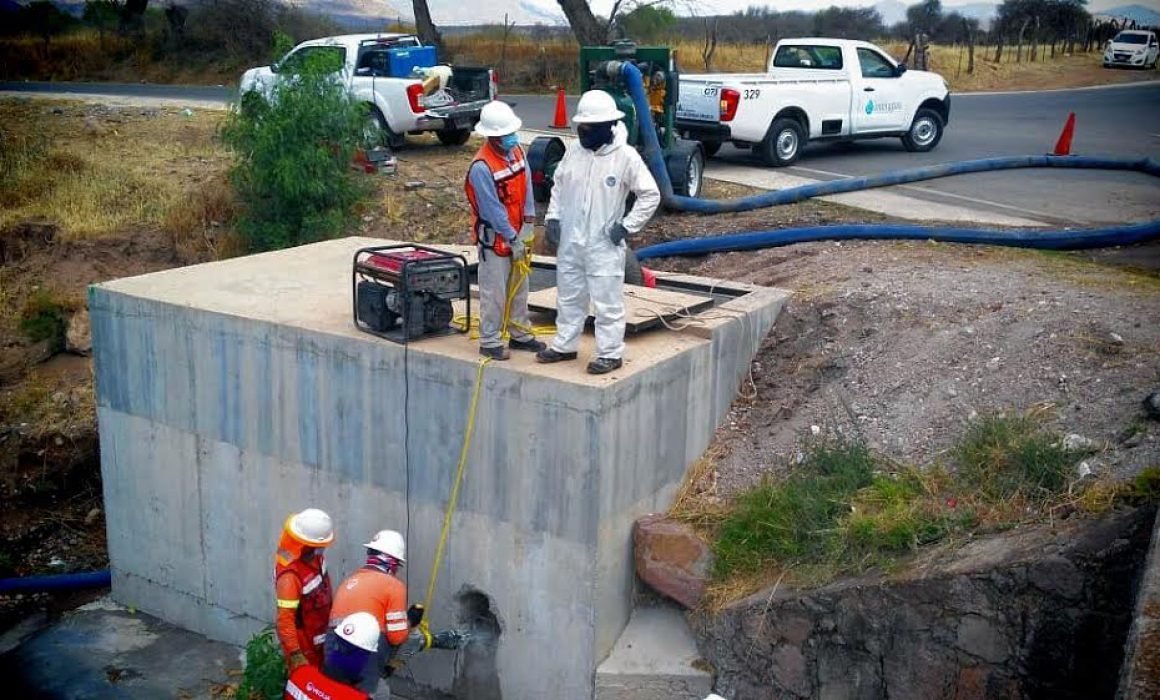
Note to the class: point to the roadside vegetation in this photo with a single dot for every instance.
(1032, 44)
(844, 509)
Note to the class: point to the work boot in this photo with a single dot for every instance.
(604, 365)
(531, 345)
(547, 356)
(497, 353)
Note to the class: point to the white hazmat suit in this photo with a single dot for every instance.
(588, 199)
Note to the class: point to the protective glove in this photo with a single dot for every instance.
(297, 659)
(552, 231)
(617, 233)
(519, 250)
(527, 232)
(415, 614)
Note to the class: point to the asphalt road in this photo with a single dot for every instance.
(1123, 121)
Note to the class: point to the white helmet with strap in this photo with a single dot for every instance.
(390, 543)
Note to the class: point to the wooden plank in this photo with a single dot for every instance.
(644, 307)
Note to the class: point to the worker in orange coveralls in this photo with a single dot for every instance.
(302, 587)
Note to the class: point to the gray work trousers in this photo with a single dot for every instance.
(494, 275)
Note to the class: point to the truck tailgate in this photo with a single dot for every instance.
(699, 99)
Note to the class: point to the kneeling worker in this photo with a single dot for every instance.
(587, 223)
(351, 652)
(499, 190)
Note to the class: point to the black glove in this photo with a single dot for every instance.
(617, 233)
(415, 614)
(552, 231)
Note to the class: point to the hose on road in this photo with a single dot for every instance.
(59, 582)
(1052, 240)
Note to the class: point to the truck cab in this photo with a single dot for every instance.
(815, 89)
(406, 89)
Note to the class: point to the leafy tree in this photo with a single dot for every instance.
(924, 17)
(648, 23)
(102, 14)
(45, 20)
(294, 151)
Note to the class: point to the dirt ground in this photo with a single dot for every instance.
(908, 338)
(903, 343)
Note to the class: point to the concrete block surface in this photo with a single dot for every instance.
(655, 658)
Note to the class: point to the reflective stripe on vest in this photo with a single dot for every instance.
(309, 586)
(511, 185)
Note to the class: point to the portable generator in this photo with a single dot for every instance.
(405, 292)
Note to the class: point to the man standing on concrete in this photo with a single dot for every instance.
(586, 222)
(499, 190)
(302, 587)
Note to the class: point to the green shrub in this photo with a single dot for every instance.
(294, 151)
(265, 675)
(796, 519)
(1007, 455)
(45, 318)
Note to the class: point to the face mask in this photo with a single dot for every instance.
(508, 143)
(593, 136)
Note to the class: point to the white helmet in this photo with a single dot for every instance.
(596, 107)
(311, 527)
(390, 543)
(497, 119)
(360, 629)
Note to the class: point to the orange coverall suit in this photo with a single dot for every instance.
(302, 590)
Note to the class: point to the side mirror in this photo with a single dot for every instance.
(899, 69)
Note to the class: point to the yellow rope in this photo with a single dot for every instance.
(521, 268)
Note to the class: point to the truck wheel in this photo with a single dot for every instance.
(783, 143)
(632, 271)
(544, 155)
(711, 148)
(453, 137)
(686, 165)
(925, 131)
(377, 133)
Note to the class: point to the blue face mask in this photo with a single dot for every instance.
(508, 143)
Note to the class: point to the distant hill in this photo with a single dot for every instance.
(1143, 16)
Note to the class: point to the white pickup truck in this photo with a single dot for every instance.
(815, 90)
(398, 77)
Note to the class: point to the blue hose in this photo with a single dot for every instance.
(1052, 240)
(61, 582)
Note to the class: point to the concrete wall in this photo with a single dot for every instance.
(221, 411)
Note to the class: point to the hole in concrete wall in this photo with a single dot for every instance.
(476, 673)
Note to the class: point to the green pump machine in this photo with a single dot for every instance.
(600, 70)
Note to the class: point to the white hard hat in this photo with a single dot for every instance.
(360, 629)
(497, 119)
(311, 527)
(596, 107)
(390, 543)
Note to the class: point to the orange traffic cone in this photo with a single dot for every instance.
(1063, 145)
(561, 119)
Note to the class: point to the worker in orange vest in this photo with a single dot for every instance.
(351, 655)
(499, 190)
(302, 587)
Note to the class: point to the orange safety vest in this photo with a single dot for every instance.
(511, 184)
(309, 683)
(312, 612)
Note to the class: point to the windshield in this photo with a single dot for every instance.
(1125, 38)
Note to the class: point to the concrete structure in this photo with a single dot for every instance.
(232, 393)
(655, 658)
(1140, 674)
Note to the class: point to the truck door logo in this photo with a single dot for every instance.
(870, 107)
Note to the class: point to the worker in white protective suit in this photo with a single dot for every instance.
(587, 223)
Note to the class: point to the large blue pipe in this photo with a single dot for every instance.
(1054, 240)
(59, 582)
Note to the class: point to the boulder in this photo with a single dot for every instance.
(78, 338)
(671, 558)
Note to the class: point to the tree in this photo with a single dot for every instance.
(45, 20)
(102, 14)
(428, 33)
(588, 30)
(133, 15)
(647, 23)
(924, 17)
(848, 23)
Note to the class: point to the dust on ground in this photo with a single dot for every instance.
(905, 342)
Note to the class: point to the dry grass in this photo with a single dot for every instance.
(101, 170)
